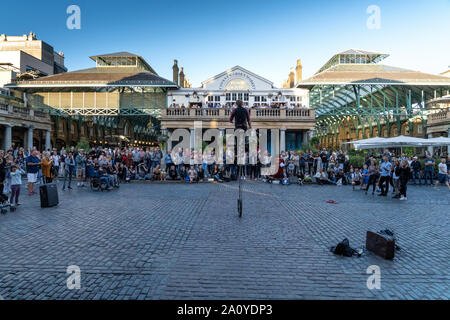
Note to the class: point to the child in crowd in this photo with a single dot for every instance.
(308, 178)
(192, 174)
(284, 177)
(300, 177)
(163, 175)
(356, 178)
(365, 176)
(16, 182)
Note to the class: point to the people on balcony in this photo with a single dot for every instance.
(232, 105)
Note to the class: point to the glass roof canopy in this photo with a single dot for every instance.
(354, 56)
(122, 59)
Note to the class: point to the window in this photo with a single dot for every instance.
(210, 98)
(263, 99)
(245, 96)
(257, 98)
(228, 96)
(217, 98)
(233, 95)
(239, 95)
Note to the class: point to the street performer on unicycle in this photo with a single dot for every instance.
(241, 117)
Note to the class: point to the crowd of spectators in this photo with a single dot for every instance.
(115, 165)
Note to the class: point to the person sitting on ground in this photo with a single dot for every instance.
(131, 173)
(142, 171)
(308, 178)
(356, 178)
(322, 177)
(201, 173)
(156, 173)
(284, 177)
(102, 175)
(183, 173)
(192, 174)
(226, 173)
(331, 176)
(216, 174)
(300, 177)
(122, 172)
(163, 175)
(112, 174)
(340, 178)
(173, 172)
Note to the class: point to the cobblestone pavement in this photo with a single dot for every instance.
(179, 241)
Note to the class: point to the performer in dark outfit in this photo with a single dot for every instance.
(241, 117)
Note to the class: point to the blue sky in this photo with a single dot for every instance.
(266, 37)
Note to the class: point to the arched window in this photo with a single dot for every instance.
(237, 84)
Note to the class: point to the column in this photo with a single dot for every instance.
(282, 139)
(8, 137)
(165, 149)
(30, 137)
(192, 139)
(430, 148)
(305, 137)
(448, 146)
(48, 142)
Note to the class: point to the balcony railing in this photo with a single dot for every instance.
(299, 114)
(439, 117)
(19, 112)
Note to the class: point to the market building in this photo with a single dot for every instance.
(113, 103)
(355, 97)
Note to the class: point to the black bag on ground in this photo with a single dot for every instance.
(343, 249)
(49, 195)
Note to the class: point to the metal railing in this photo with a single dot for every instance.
(298, 114)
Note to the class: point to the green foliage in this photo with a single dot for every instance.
(83, 145)
(315, 141)
(357, 161)
(204, 145)
(354, 152)
(306, 146)
(409, 151)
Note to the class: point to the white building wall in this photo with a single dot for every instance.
(21, 60)
(257, 86)
(6, 77)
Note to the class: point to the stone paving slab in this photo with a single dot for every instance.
(181, 241)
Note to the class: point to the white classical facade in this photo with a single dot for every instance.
(234, 84)
(283, 109)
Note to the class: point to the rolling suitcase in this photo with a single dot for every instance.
(49, 195)
(381, 244)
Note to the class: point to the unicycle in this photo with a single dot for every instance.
(239, 201)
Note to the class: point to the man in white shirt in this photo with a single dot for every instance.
(442, 174)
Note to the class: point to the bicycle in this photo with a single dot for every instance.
(239, 201)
